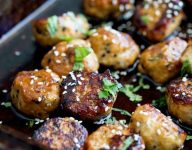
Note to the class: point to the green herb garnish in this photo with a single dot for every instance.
(65, 38)
(189, 137)
(80, 54)
(89, 32)
(145, 19)
(127, 143)
(52, 25)
(109, 88)
(129, 91)
(6, 104)
(30, 123)
(121, 111)
(160, 103)
(186, 68)
(112, 120)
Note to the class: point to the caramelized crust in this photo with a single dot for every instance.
(62, 134)
(36, 93)
(103, 9)
(68, 26)
(61, 58)
(114, 48)
(113, 137)
(158, 19)
(162, 61)
(80, 95)
(157, 131)
(179, 99)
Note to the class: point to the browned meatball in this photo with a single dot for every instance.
(52, 30)
(157, 130)
(162, 61)
(61, 59)
(104, 9)
(80, 95)
(36, 93)
(179, 99)
(113, 137)
(157, 19)
(114, 48)
(62, 134)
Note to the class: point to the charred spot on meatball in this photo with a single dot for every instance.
(62, 134)
(83, 94)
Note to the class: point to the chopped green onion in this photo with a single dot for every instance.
(121, 111)
(127, 143)
(52, 25)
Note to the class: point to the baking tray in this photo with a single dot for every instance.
(18, 52)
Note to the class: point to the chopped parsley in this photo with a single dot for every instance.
(6, 104)
(80, 54)
(109, 88)
(65, 38)
(186, 68)
(189, 137)
(160, 103)
(127, 143)
(52, 25)
(145, 19)
(121, 111)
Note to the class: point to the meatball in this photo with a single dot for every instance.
(103, 9)
(62, 134)
(62, 58)
(157, 130)
(157, 19)
(81, 94)
(179, 99)
(36, 93)
(162, 61)
(114, 137)
(114, 48)
(52, 30)
(187, 58)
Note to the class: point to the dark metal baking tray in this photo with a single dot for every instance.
(18, 51)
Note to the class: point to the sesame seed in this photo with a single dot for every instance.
(138, 124)
(17, 53)
(158, 131)
(75, 140)
(32, 82)
(184, 79)
(73, 90)
(58, 61)
(4, 91)
(56, 53)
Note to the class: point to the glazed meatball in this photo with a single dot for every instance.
(80, 95)
(113, 137)
(179, 99)
(187, 58)
(52, 30)
(157, 130)
(162, 61)
(114, 48)
(103, 9)
(157, 19)
(62, 58)
(62, 134)
(36, 93)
